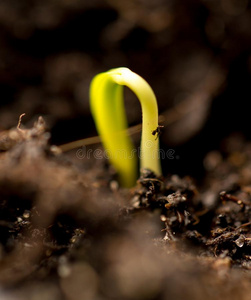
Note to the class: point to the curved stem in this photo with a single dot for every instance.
(106, 99)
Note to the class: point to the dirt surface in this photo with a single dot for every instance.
(66, 236)
(67, 230)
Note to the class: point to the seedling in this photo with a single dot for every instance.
(107, 107)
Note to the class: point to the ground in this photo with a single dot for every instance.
(67, 230)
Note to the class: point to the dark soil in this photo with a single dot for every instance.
(67, 230)
(67, 236)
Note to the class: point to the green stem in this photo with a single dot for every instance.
(106, 99)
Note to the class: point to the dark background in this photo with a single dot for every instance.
(191, 52)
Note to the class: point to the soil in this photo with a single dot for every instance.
(67, 230)
(67, 236)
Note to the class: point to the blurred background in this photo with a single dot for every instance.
(196, 55)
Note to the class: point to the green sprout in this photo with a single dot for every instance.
(107, 107)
